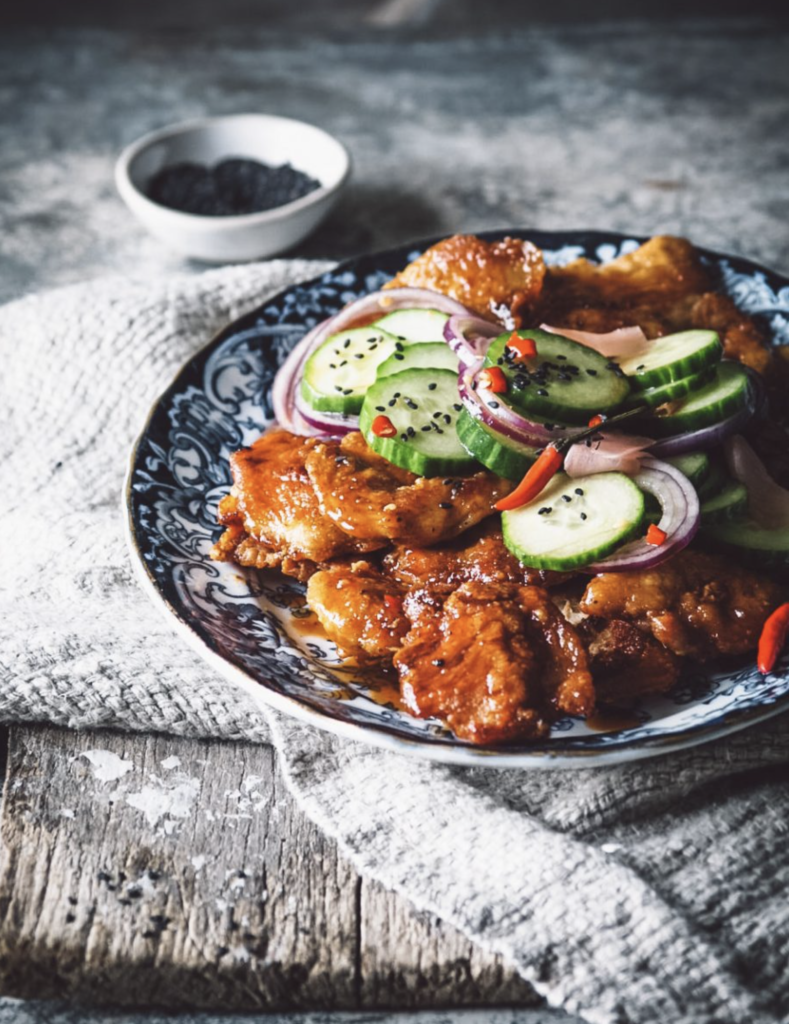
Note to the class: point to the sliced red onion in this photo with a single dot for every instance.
(368, 307)
(502, 417)
(469, 337)
(768, 502)
(624, 341)
(612, 453)
(333, 424)
(679, 521)
(708, 437)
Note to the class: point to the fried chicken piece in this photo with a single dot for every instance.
(626, 662)
(478, 555)
(742, 339)
(272, 514)
(498, 280)
(662, 287)
(694, 604)
(361, 610)
(497, 662)
(372, 500)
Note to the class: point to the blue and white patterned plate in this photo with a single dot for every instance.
(254, 627)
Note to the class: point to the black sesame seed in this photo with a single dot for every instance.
(427, 426)
(641, 367)
(436, 415)
(332, 366)
(447, 418)
(438, 662)
(411, 403)
(432, 387)
(566, 497)
(398, 355)
(337, 387)
(493, 405)
(592, 373)
(542, 391)
(457, 407)
(445, 504)
(359, 355)
(347, 391)
(447, 482)
(579, 490)
(549, 426)
(404, 437)
(344, 362)
(391, 402)
(401, 337)
(411, 432)
(398, 347)
(396, 394)
(561, 357)
(373, 340)
(583, 515)
(380, 408)
(545, 510)
(346, 343)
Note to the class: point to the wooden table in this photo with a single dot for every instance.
(145, 870)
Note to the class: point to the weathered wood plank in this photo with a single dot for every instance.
(179, 874)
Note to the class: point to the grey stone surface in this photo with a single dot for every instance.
(632, 127)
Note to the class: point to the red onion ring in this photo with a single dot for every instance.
(679, 521)
(504, 419)
(288, 378)
(469, 337)
(332, 424)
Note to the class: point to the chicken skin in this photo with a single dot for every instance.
(375, 502)
(272, 514)
(498, 280)
(361, 610)
(478, 555)
(697, 605)
(497, 662)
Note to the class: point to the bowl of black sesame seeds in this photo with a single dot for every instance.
(235, 188)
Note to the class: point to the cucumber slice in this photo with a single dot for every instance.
(670, 392)
(750, 543)
(423, 405)
(575, 521)
(339, 372)
(414, 324)
(696, 466)
(729, 504)
(432, 355)
(565, 382)
(672, 358)
(713, 481)
(501, 455)
(726, 394)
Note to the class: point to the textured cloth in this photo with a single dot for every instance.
(651, 892)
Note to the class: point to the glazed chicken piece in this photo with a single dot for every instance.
(272, 514)
(478, 555)
(662, 287)
(376, 502)
(360, 609)
(498, 280)
(496, 662)
(695, 604)
(626, 662)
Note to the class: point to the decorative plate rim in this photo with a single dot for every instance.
(546, 755)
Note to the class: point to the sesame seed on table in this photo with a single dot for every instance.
(225, 897)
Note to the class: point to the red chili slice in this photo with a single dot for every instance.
(383, 427)
(772, 639)
(524, 348)
(536, 480)
(492, 378)
(655, 535)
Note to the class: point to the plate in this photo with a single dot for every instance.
(254, 627)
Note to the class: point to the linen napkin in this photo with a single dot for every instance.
(648, 892)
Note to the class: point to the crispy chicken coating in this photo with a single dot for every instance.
(479, 554)
(272, 514)
(626, 662)
(497, 662)
(498, 280)
(361, 610)
(370, 499)
(695, 604)
(662, 287)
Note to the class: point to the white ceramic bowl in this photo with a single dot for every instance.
(272, 140)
